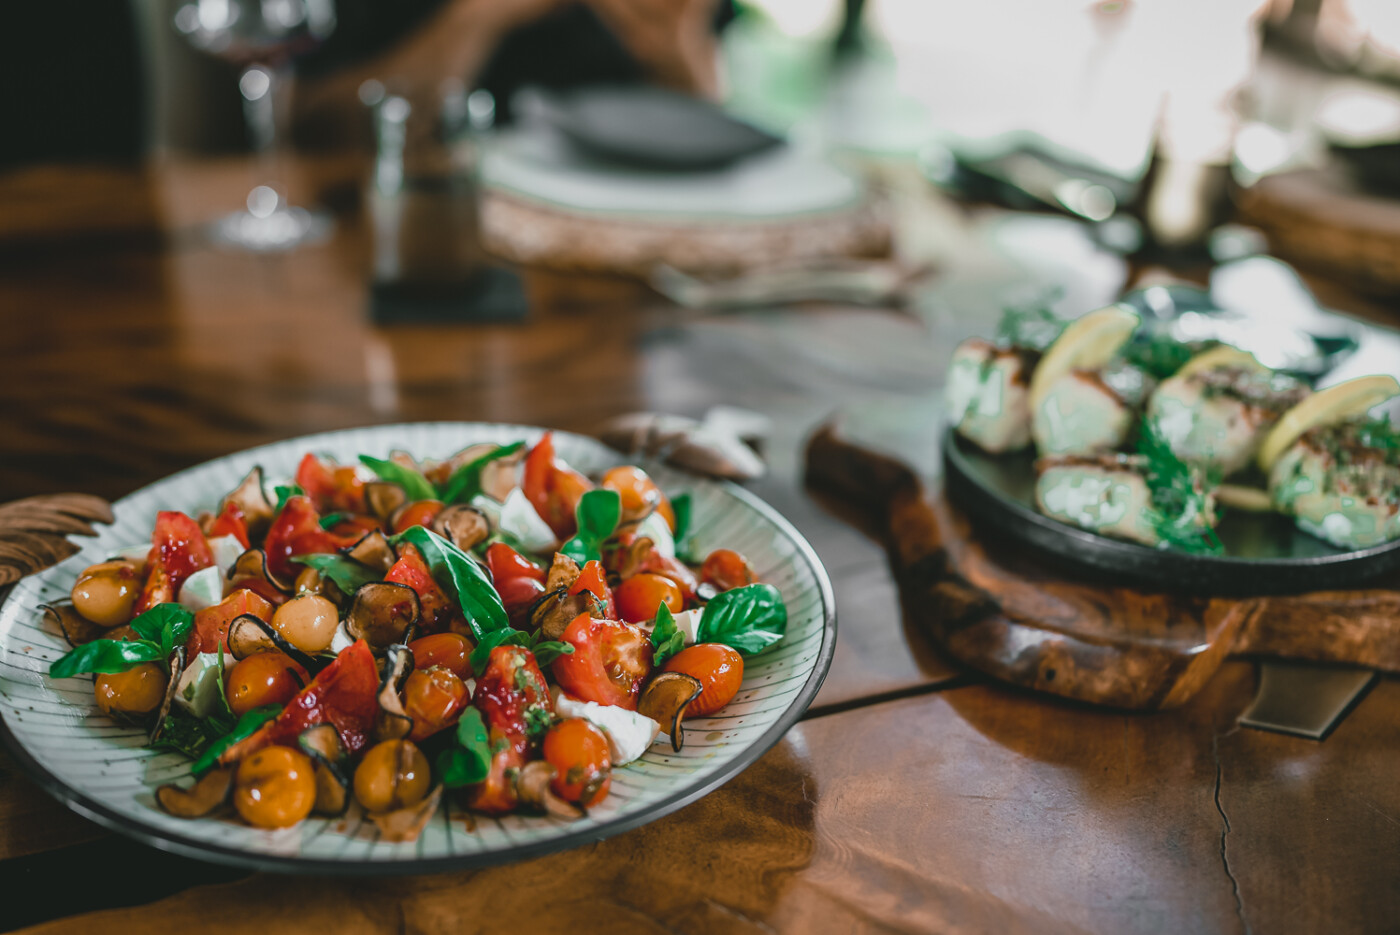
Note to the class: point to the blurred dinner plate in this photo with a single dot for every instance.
(104, 772)
(1265, 553)
(651, 127)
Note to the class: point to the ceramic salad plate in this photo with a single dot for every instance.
(105, 772)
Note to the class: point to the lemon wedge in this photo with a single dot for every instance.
(1219, 357)
(1339, 403)
(1088, 343)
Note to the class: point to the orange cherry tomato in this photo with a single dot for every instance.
(263, 678)
(639, 494)
(720, 670)
(418, 513)
(578, 751)
(640, 596)
(451, 651)
(727, 570)
(434, 698)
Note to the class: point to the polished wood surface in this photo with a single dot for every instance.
(914, 797)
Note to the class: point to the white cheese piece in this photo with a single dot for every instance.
(131, 553)
(342, 639)
(204, 588)
(655, 528)
(226, 550)
(517, 516)
(688, 623)
(629, 733)
(198, 690)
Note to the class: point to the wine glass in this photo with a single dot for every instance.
(262, 36)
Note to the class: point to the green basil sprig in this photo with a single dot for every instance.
(160, 629)
(681, 506)
(468, 761)
(544, 651)
(750, 618)
(247, 725)
(410, 479)
(187, 734)
(666, 638)
(598, 514)
(465, 482)
(462, 578)
(284, 493)
(348, 574)
(331, 520)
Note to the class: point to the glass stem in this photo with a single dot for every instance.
(262, 87)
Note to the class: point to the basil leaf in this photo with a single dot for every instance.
(330, 520)
(507, 636)
(247, 725)
(666, 639)
(164, 624)
(461, 577)
(680, 507)
(412, 481)
(550, 650)
(106, 656)
(465, 482)
(468, 761)
(598, 513)
(187, 734)
(750, 618)
(284, 493)
(348, 574)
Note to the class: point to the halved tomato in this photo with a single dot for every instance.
(553, 488)
(178, 550)
(610, 661)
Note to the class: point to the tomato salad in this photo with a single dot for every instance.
(496, 626)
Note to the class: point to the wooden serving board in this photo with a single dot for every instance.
(997, 607)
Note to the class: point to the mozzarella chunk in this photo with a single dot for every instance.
(204, 588)
(226, 550)
(629, 733)
(688, 623)
(342, 640)
(654, 527)
(517, 516)
(198, 690)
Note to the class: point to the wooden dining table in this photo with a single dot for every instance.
(913, 796)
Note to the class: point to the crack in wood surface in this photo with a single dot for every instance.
(1225, 830)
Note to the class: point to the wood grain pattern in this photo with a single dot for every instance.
(34, 531)
(995, 606)
(973, 810)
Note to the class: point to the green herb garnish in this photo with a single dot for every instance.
(666, 639)
(159, 629)
(468, 760)
(1032, 326)
(284, 493)
(247, 725)
(410, 479)
(462, 578)
(1161, 355)
(544, 651)
(1180, 495)
(348, 574)
(750, 618)
(465, 482)
(598, 513)
(331, 520)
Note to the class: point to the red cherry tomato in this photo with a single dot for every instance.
(438, 610)
(334, 489)
(178, 550)
(261, 679)
(418, 513)
(640, 596)
(210, 630)
(230, 522)
(297, 531)
(434, 698)
(578, 751)
(553, 488)
(610, 661)
(720, 670)
(727, 570)
(451, 651)
(517, 594)
(504, 563)
(594, 580)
